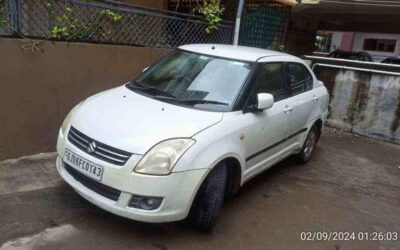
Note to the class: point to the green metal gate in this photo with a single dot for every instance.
(264, 24)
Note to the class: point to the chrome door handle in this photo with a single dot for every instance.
(315, 99)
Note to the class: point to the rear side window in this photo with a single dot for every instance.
(300, 79)
(270, 78)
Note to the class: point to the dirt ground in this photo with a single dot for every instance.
(351, 185)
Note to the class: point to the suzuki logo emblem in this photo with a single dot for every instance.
(91, 147)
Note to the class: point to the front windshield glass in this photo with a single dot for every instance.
(194, 79)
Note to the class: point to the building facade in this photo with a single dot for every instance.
(378, 45)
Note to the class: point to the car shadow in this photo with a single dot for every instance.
(99, 219)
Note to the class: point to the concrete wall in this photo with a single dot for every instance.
(38, 89)
(363, 103)
(300, 42)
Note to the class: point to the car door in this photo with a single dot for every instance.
(303, 102)
(265, 130)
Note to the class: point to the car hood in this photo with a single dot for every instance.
(132, 122)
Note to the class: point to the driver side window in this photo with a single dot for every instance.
(270, 78)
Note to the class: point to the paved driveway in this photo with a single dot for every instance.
(351, 185)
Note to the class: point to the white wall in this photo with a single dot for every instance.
(378, 56)
(336, 41)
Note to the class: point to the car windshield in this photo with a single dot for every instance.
(194, 79)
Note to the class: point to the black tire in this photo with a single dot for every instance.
(309, 145)
(209, 199)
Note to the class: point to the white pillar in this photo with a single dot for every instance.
(237, 23)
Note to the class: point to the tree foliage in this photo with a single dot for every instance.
(212, 11)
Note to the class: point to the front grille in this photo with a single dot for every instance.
(106, 191)
(98, 149)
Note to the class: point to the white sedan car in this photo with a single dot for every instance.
(191, 130)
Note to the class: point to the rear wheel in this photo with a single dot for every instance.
(309, 145)
(209, 198)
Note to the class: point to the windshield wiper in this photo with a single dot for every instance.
(199, 101)
(153, 90)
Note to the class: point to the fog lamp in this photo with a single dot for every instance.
(145, 202)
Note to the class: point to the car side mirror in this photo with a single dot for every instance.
(143, 70)
(264, 101)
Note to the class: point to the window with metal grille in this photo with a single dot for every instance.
(383, 45)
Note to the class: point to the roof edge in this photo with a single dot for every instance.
(290, 3)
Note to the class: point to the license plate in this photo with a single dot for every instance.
(84, 166)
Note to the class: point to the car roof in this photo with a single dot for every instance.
(233, 51)
(392, 59)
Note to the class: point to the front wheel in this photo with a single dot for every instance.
(309, 145)
(209, 198)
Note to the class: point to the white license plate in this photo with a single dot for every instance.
(84, 166)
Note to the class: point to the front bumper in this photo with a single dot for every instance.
(177, 189)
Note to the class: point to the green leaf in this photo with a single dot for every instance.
(212, 10)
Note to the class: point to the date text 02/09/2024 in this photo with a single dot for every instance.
(348, 236)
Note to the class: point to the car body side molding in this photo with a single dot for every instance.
(275, 144)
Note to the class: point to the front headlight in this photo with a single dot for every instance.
(161, 159)
(68, 118)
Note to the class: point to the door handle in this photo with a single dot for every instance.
(315, 99)
(287, 110)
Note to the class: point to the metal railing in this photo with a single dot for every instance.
(352, 63)
(106, 21)
(355, 69)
